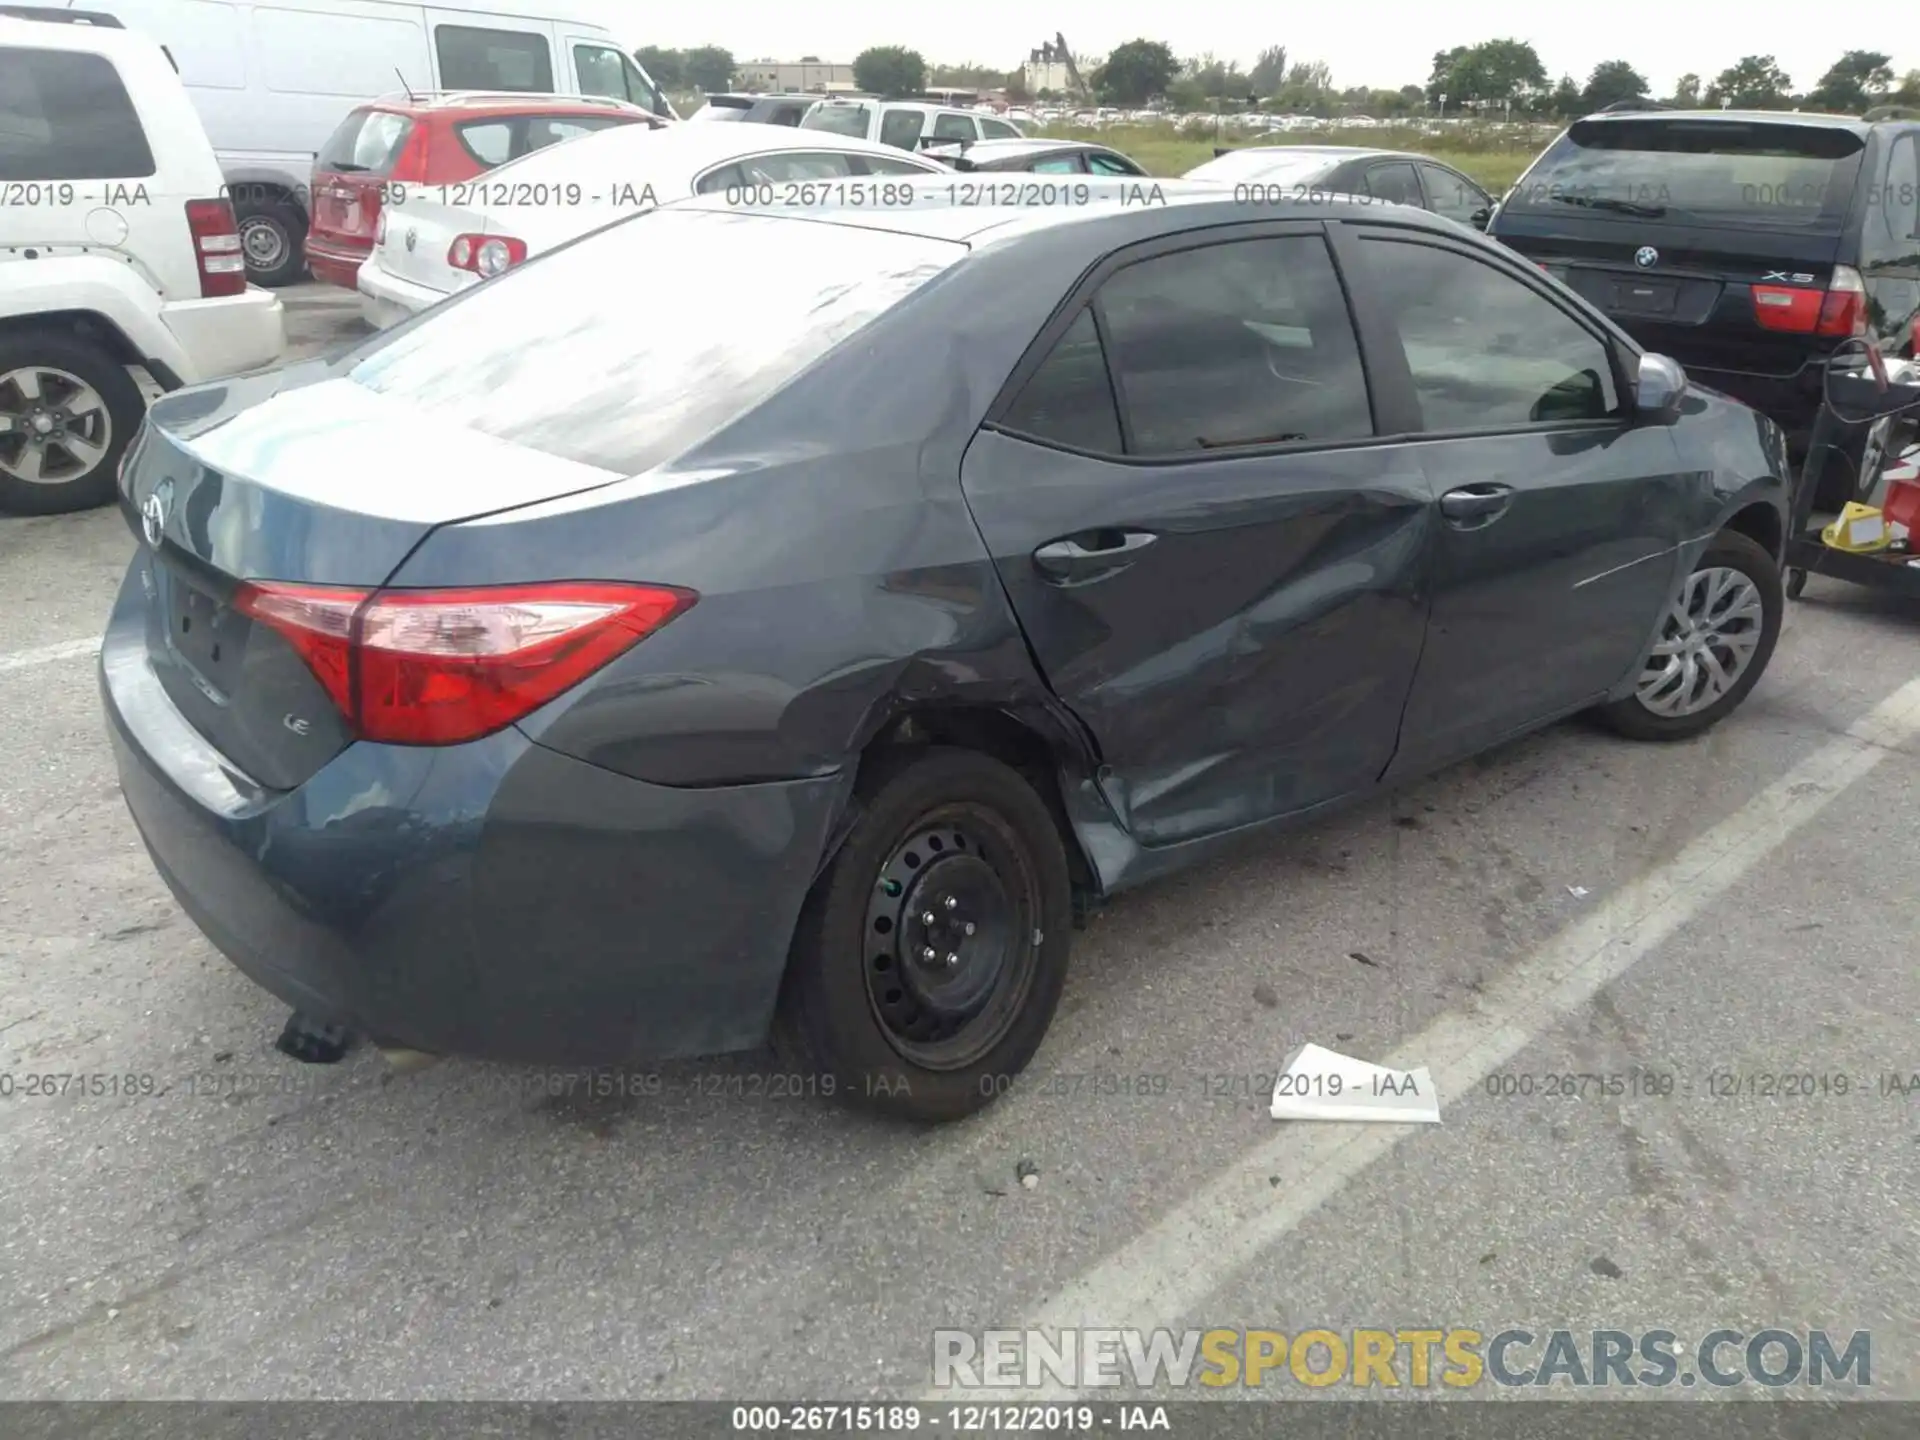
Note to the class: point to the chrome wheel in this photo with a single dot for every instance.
(1707, 641)
(54, 426)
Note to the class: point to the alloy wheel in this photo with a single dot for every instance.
(54, 426)
(1707, 640)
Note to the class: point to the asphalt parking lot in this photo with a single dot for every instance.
(1744, 906)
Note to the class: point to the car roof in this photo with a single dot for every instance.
(512, 102)
(943, 211)
(1026, 145)
(612, 153)
(1815, 119)
(88, 39)
(1330, 151)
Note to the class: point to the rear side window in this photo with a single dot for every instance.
(1728, 171)
(886, 165)
(779, 168)
(66, 116)
(495, 142)
(1069, 399)
(476, 59)
(839, 120)
(1057, 165)
(669, 363)
(1394, 183)
(901, 129)
(1112, 165)
(1242, 343)
(1897, 211)
(367, 140)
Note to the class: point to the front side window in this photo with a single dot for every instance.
(1487, 351)
(1394, 183)
(998, 129)
(1239, 343)
(954, 127)
(901, 129)
(1452, 195)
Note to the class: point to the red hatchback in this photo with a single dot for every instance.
(438, 139)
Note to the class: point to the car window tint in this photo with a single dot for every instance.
(1394, 183)
(954, 127)
(998, 129)
(1245, 342)
(600, 71)
(1486, 351)
(900, 128)
(1451, 195)
(1058, 165)
(66, 116)
(1900, 196)
(476, 59)
(1110, 165)
(1069, 399)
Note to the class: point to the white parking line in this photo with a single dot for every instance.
(48, 654)
(1167, 1271)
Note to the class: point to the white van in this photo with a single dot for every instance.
(272, 79)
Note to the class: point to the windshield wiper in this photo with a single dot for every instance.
(1601, 202)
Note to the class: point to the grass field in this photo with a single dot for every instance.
(1165, 151)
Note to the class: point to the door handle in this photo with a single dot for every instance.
(1472, 505)
(1090, 553)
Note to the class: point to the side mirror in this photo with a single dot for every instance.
(1659, 387)
(1481, 218)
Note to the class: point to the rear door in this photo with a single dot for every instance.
(1708, 240)
(1213, 557)
(350, 174)
(1561, 518)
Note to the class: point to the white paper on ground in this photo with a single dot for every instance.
(1321, 1084)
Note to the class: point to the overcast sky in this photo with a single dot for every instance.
(1365, 42)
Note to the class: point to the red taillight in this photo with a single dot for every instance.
(440, 667)
(216, 248)
(410, 165)
(486, 255)
(1839, 310)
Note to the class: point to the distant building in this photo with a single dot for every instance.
(1048, 68)
(799, 76)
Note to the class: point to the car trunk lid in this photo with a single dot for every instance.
(371, 150)
(309, 478)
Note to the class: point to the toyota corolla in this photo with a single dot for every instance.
(767, 622)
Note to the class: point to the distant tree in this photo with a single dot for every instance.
(1612, 80)
(1015, 84)
(965, 77)
(890, 70)
(1686, 94)
(1135, 72)
(1269, 71)
(705, 67)
(663, 65)
(1909, 91)
(1756, 83)
(1857, 81)
(1412, 97)
(1492, 72)
(1566, 102)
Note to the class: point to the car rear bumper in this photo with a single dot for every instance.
(386, 299)
(497, 900)
(226, 335)
(333, 263)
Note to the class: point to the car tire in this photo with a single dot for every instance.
(934, 825)
(273, 240)
(1639, 718)
(60, 362)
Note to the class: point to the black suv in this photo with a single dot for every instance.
(1745, 245)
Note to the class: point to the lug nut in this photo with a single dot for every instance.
(950, 902)
(929, 955)
(967, 928)
(952, 959)
(927, 918)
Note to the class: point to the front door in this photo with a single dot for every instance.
(1561, 517)
(1215, 561)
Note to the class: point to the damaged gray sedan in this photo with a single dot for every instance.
(782, 622)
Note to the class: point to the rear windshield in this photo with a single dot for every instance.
(368, 141)
(1764, 173)
(1238, 165)
(603, 352)
(839, 120)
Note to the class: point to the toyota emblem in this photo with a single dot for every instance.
(1646, 257)
(153, 514)
(413, 239)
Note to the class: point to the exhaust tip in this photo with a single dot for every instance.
(313, 1042)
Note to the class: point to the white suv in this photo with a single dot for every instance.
(904, 124)
(118, 252)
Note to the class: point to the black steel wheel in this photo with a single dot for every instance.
(930, 957)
